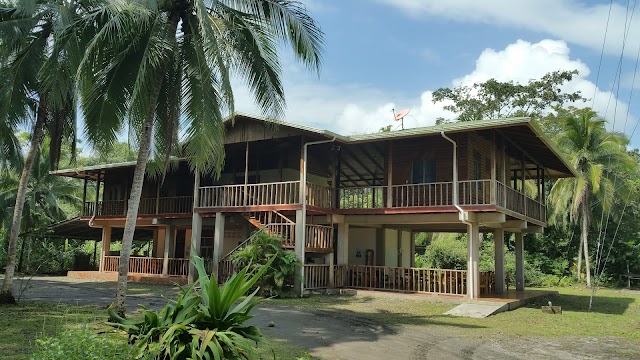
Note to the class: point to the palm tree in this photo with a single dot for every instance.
(38, 55)
(153, 66)
(46, 198)
(601, 161)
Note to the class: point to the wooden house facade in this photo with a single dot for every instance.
(348, 206)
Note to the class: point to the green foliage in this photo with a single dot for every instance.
(200, 324)
(81, 344)
(493, 99)
(264, 249)
(446, 252)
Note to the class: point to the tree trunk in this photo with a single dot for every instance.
(132, 212)
(579, 272)
(6, 295)
(585, 237)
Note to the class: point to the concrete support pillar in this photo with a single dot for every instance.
(498, 236)
(106, 244)
(218, 243)
(473, 260)
(343, 244)
(519, 262)
(168, 237)
(329, 261)
(299, 250)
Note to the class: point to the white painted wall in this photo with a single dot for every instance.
(360, 239)
(390, 247)
(405, 245)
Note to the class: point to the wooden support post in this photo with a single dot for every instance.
(95, 207)
(246, 174)
(196, 226)
(492, 186)
(168, 236)
(389, 164)
(343, 244)
(106, 244)
(338, 178)
(498, 236)
(158, 197)
(329, 261)
(218, 243)
(473, 260)
(519, 261)
(84, 199)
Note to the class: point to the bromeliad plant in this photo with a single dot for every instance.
(203, 323)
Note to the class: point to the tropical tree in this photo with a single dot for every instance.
(153, 66)
(38, 56)
(495, 99)
(603, 168)
(47, 200)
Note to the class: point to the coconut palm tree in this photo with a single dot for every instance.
(46, 198)
(38, 56)
(154, 66)
(601, 160)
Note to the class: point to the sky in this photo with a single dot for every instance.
(382, 55)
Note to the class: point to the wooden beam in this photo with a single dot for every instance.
(355, 158)
(370, 183)
(389, 172)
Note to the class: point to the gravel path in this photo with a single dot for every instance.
(331, 335)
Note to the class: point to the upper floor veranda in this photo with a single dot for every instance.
(483, 166)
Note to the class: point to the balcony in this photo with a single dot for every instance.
(175, 205)
(436, 196)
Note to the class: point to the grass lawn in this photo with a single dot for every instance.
(21, 325)
(614, 313)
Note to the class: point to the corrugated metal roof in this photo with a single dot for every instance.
(399, 134)
(436, 129)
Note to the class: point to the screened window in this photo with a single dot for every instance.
(424, 171)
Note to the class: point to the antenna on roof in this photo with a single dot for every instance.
(400, 116)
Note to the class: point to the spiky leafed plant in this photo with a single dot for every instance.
(600, 159)
(204, 323)
(156, 66)
(38, 57)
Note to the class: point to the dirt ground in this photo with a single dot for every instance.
(335, 335)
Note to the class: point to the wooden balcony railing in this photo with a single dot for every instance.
(438, 194)
(148, 206)
(318, 237)
(435, 281)
(149, 266)
(316, 276)
(419, 195)
(277, 193)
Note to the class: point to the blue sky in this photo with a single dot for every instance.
(384, 54)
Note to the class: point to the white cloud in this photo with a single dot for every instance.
(351, 109)
(571, 20)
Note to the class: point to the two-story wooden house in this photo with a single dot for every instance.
(347, 205)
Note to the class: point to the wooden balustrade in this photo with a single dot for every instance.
(440, 281)
(372, 197)
(319, 237)
(420, 195)
(286, 231)
(319, 196)
(474, 192)
(276, 193)
(316, 276)
(149, 266)
(148, 206)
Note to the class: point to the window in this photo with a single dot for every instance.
(424, 171)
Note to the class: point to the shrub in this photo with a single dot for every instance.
(265, 248)
(81, 344)
(446, 253)
(201, 324)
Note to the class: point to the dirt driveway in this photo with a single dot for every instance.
(335, 335)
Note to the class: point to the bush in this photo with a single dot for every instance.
(201, 324)
(278, 277)
(446, 252)
(81, 344)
